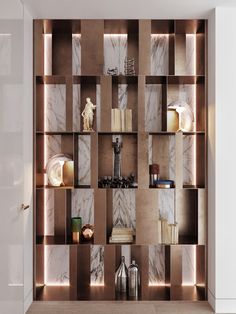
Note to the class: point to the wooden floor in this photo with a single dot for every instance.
(79, 307)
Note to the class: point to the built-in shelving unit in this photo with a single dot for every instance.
(71, 58)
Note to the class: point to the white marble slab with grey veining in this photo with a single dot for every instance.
(5, 54)
(156, 264)
(122, 95)
(84, 159)
(172, 157)
(159, 54)
(83, 205)
(97, 265)
(124, 208)
(76, 107)
(98, 106)
(115, 52)
(76, 54)
(49, 212)
(166, 204)
(189, 160)
(153, 108)
(55, 97)
(190, 54)
(47, 54)
(126, 252)
(188, 264)
(57, 264)
(52, 145)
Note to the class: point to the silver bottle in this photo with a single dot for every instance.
(121, 279)
(134, 280)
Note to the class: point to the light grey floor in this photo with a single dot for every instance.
(77, 307)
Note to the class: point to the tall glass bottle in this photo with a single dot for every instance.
(121, 279)
(134, 280)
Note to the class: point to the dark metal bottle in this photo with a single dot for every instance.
(134, 280)
(121, 279)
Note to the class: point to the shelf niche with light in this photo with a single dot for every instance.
(71, 62)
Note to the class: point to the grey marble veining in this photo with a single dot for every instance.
(150, 149)
(188, 160)
(124, 208)
(76, 54)
(47, 54)
(122, 95)
(188, 264)
(84, 159)
(55, 97)
(186, 93)
(159, 54)
(97, 265)
(115, 51)
(172, 157)
(190, 54)
(76, 107)
(49, 211)
(57, 265)
(156, 264)
(153, 110)
(83, 205)
(52, 145)
(5, 54)
(166, 204)
(98, 108)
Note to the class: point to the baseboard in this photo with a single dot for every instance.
(221, 305)
(28, 300)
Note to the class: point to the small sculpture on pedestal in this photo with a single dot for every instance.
(87, 115)
(117, 162)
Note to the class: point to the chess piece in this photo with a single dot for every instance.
(87, 115)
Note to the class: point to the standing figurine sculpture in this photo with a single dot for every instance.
(87, 115)
(117, 160)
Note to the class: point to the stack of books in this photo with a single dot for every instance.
(168, 233)
(121, 120)
(121, 235)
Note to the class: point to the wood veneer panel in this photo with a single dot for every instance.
(83, 271)
(39, 265)
(200, 160)
(129, 155)
(143, 171)
(164, 107)
(39, 160)
(202, 216)
(171, 54)
(39, 107)
(176, 265)
(109, 212)
(187, 215)
(147, 217)
(62, 54)
(38, 48)
(68, 215)
(105, 153)
(76, 160)
(109, 274)
(132, 52)
(180, 54)
(69, 104)
(88, 90)
(200, 265)
(92, 47)
(40, 212)
(167, 264)
(67, 145)
(132, 103)
(141, 103)
(100, 206)
(200, 54)
(60, 213)
(144, 47)
(94, 160)
(106, 102)
(73, 272)
(200, 108)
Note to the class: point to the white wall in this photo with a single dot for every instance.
(222, 149)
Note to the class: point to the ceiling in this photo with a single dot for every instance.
(127, 9)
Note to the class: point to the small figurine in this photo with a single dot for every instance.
(87, 115)
(117, 161)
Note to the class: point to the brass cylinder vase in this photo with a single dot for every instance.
(76, 226)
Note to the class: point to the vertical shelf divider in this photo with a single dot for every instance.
(144, 47)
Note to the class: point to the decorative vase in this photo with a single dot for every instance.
(76, 225)
(121, 279)
(134, 280)
(88, 232)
